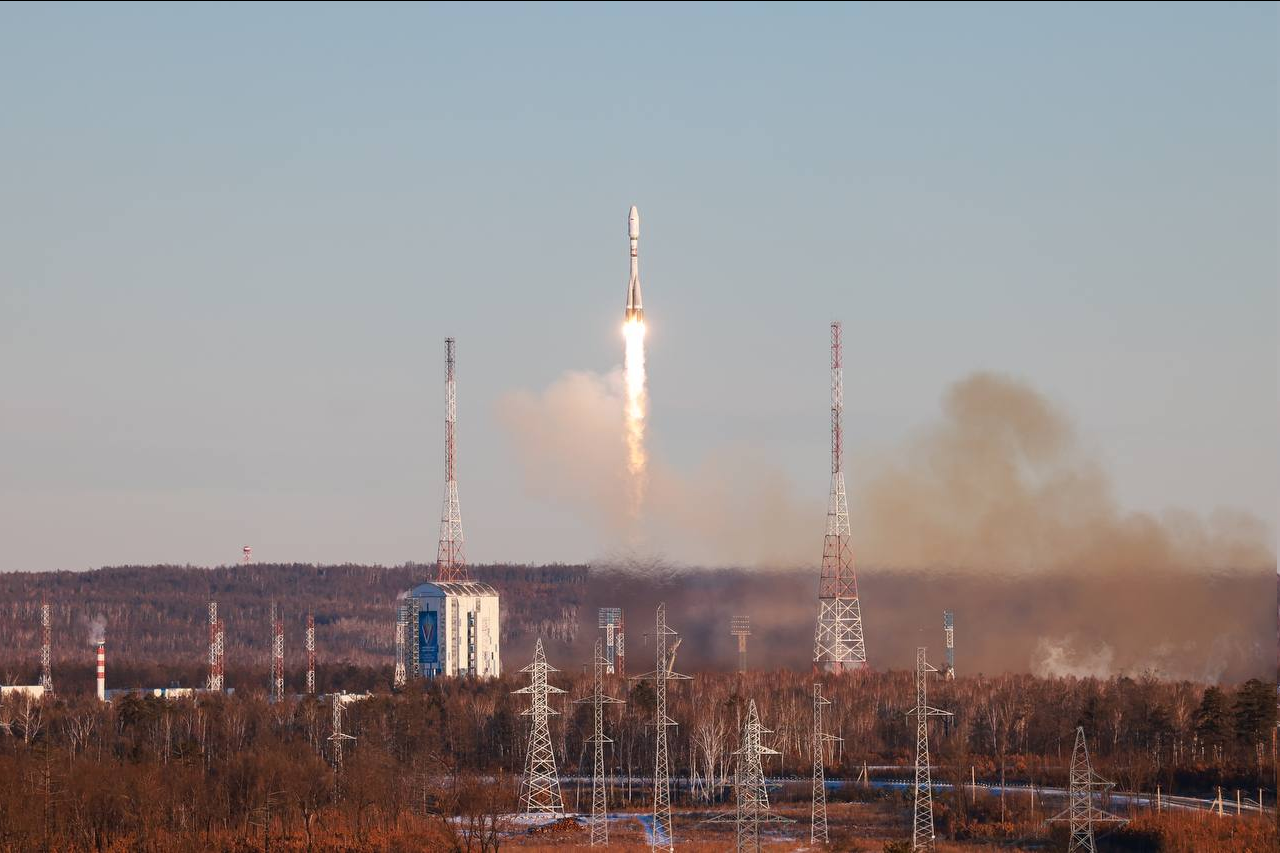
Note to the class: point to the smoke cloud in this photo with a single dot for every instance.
(994, 511)
(97, 627)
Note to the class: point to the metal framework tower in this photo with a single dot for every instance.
(246, 555)
(818, 815)
(599, 795)
(740, 627)
(336, 740)
(922, 822)
(215, 648)
(46, 648)
(749, 790)
(277, 654)
(949, 631)
(662, 838)
(540, 789)
(1080, 813)
(450, 563)
(838, 643)
(311, 653)
(614, 627)
(400, 677)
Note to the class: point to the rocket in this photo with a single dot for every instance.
(635, 307)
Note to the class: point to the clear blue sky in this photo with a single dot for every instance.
(233, 237)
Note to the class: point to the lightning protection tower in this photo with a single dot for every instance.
(215, 649)
(46, 648)
(599, 795)
(311, 653)
(749, 790)
(922, 821)
(450, 563)
(277, 654)
(540, 790)
(949, 632)
(740, 627)
(838, 643)
(661, 837)
(1080, 813)
(818, 815)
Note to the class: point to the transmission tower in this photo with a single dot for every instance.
(450, 563)
(922, 823)
(336, 740)
(740, 627)
(818, 816)
(398, 680)
(1080, 813)
(661, 838)
(540, 790)
(46, 648)
(215, 648)
(599, 796)
(311, 653)
(949, 632)
(838, 643)
(277, 654)
(750, 792)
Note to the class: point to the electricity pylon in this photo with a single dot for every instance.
(1080, 813)
(818, 815)
(540, 790)
(599, 796)
(661, 837)
(750, 792)
(922, 820)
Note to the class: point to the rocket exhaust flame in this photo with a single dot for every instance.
(633, 369)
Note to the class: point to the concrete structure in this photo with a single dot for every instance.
(455, 629)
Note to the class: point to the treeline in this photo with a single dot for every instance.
(215, 772)
(156, 617)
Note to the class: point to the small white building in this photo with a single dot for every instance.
(451, 628)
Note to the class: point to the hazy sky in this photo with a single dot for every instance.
(232, 239)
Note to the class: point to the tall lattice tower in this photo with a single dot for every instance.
(949, 634)
(400, 676)
(216, 642)
(451, 565)
(540, 789)
(661, 837)
(335, 740)
(614, 627)
(311, 653)
(46, 648)
(838, 644)
(922, 821)
(1080, 813)
(277, 654)
(749, 788)
(818, 814)
(740, 627)
(599, 795)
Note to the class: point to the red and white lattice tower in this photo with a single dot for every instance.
(450, 563)
(246, 555)
(46, 648)
(277, 654)
(311, 653)
(215, 648)
(838, 643)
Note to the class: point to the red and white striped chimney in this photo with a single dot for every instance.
(102, 671)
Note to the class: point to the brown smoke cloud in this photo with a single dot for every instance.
(994, 511)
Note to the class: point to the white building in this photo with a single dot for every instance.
(451, 628)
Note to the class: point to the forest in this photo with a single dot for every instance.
(430, 767)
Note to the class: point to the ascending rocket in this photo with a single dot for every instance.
(635, 307)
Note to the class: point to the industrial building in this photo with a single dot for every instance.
(455, 629)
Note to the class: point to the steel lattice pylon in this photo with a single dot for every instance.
(599, 795)
(818, 814)
(398, 680)
(215, 648)
(1080, 813)
(838, 642)
(540, 789)
(311, 653)
(46, 648)
(277, 654)
(661, 837)
(336, 739)
(750, 793)
(450, 563)
(922, 820)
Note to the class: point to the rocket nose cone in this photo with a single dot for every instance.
(633, 223)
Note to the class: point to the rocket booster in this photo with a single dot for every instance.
(635, 307)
